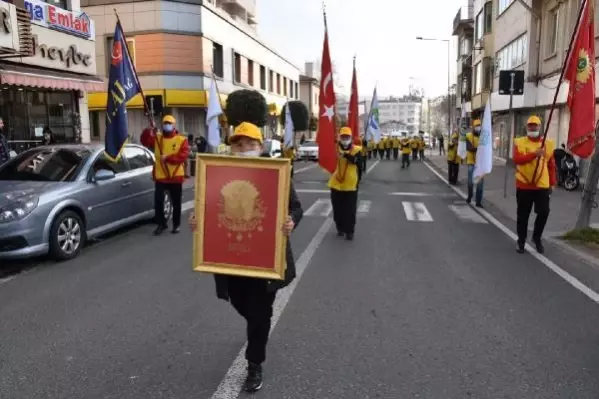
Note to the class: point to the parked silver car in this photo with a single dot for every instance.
(54, 198)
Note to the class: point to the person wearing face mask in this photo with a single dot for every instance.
(535, 179)
(344, 184)
(170, 152)
(472, 140)
(253, 298)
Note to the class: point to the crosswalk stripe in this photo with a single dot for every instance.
(465, 212)
(364, 207)
(416, 211)
(322, 207)
(409, 194)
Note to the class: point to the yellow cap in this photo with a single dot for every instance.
(246, 129)
(345, 131)
(476, 122)
(533, 120)
(169, 119)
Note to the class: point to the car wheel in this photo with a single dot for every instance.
(168, 207)
(67, 236)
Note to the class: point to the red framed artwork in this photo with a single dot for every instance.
(240, 207)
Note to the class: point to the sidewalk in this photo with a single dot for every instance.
(564, 204)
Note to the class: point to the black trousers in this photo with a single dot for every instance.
(405, 160)
(395, 153)
(176, 194)
(369, 154)
(414, 154)
(381, 153)
(421, 154)
(253, 302)
(525, 200)
(345, 204)
(453, 169)
(388, 153)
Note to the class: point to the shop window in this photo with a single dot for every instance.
(218, 60)
(60, 112)
(262, 77)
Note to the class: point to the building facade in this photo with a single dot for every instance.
(463, 29)
(177, 47)
(483, 54)
(407, 114)
(52, 67)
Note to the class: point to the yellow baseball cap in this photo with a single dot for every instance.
(246, 129)
(476, 122)
(169, 119)
(533, 120)
(345, 131)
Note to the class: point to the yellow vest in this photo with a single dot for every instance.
(471, 156)
(371, 144)
(405, 146)
(415, 144)
(382, 144)
(167, 146)
(452, 153)
(526, 172)
(289, 153)
(395, 142)
(345, 177)
(421, 145)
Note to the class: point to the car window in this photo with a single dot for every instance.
(104, 163)
(46, 164)
(137, 157)
(309, 144)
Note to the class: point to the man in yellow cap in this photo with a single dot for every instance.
(253, 298)
(170, 152)
(472, 140)
(344, 184)
(535, 179)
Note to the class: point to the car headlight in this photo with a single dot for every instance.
(19, 209)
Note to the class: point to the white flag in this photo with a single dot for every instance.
(288, 138)
(484, 153)
(373, 130)
(463, 129)
(213, 112)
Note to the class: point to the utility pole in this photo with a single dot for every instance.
(587, 202)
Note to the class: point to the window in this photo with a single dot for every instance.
(488, 12)
(278, 83)
(552, 32)
(296, 90)
(103, 163)
(271, 81)
(251, 73)
(262, 77)
(513, 55)
(487, 73)
(58, 3)
(502, 5)
(478, 78)
(217, 60)
(45, 164)
(285, 86)
(137, 157)
(236, 67)
(479, 26)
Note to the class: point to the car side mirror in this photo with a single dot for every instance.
(103, 175)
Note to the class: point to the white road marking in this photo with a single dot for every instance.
(371, 167)
(7, 279)
(322, 207)
(364, 206)
(305, 168)
(230, 386)
(416, 211)
(573, 281)
(187, 206)
(465, 212)
(407, 194)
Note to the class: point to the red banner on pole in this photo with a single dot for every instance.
(327, 154)
(353, 117)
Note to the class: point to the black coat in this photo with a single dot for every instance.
(296, 212)
(4, 149)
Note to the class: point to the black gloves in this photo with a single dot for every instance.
(350, 158)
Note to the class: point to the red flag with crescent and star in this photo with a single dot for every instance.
(580, 72)
(327, 153)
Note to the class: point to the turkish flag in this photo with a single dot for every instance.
(580, 72)
(353, 116)
(327, 153)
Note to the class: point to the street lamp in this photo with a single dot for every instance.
(448, 79)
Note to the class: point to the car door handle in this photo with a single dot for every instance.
(126, 184)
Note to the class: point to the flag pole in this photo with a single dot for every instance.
(560, 81)
(145, 101)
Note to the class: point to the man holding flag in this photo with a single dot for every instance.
(484, 153)
(213, 112)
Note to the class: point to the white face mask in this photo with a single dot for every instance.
(477, 130)
(167, 127)
(533, 133)
(252, 153)
(345, 142)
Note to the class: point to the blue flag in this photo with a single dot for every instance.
(122, 86)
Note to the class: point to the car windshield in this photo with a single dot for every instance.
(310, 144)
(45, 164)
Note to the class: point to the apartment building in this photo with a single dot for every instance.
(407, 114)
(178, 46)
(483, 55)
(463, 29)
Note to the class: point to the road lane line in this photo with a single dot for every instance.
(570, 279)
(7, 279)
(371, 167)
(230, 386)
(466, 213)
(407, 194)
(304, 168)
(317, 207)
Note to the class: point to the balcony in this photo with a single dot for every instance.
(464, 19)
(248, 6)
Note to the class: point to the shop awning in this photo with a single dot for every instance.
(170, 98)
(33, 77)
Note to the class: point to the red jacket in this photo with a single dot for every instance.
(148, 140)
(520, 159)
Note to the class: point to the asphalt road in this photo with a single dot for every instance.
(429, 301)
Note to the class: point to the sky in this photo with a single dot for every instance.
(380, 33)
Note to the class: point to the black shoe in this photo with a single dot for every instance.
(176, 230)
(159, 230)
(520, 248)
(349, 237)
(539, 246)
(340, 233)
(253, 381)
(469, 200)
(479, 205)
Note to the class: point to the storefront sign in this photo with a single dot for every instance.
(59, 51)
(71, 22)
(8, 24)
